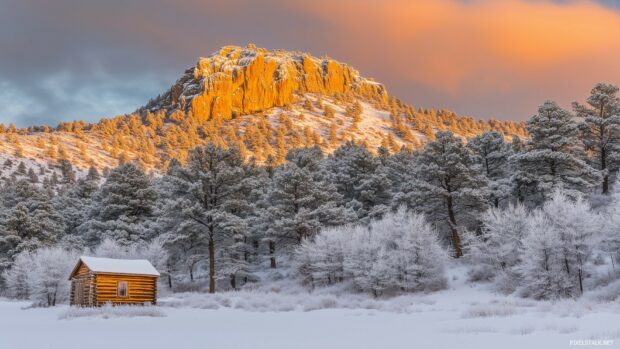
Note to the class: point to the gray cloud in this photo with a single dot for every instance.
(86, 59)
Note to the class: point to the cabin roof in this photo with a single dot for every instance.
(117, 266)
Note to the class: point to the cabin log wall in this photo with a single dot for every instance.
(140, 289)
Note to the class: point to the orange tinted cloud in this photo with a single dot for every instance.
(479, 57)
(463, 49)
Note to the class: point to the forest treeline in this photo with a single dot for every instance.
(534, 215)
(152, 138)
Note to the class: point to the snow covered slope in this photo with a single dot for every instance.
(264, 102)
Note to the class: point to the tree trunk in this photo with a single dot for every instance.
(169, 281)
(456, 239)
(272, 251)
(191, 273)
(211, 265)
(580, 281)
(604, 167)
(233, 281)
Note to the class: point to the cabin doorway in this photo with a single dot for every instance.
(78, 292)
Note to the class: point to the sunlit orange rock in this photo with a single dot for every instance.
(237, 81)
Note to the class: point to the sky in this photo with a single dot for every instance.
(67, 60)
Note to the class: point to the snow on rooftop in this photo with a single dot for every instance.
(119, 266)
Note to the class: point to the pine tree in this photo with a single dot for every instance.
(447, 185)
(492, 155)
(21, 168)
(361, 179)
(300, 201)
(32, 177)
(30, 224)
(210, 200)
(66, 170)
(93, 175)
(553, 155)
(121, 208)
(600, 127)
(73, 205)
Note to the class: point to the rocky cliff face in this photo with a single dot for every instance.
(238, 81)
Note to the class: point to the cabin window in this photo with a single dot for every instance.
(122, 289)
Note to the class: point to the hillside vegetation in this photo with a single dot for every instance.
(264, 103)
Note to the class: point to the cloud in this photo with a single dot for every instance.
(67, 59)
(467, 54)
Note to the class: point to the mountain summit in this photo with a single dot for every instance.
(263, 102)
(239, 81)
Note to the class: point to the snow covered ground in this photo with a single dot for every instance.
(463, 316)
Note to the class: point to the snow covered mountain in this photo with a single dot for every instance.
(238, 81)
(264, 102)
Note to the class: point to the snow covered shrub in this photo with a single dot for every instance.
(541, 272)
(16, 278)
(42, 276)
(399, 252)
(320, 261)
(48, 278)
(497, 251)
(489, 310)
(557, 251)
(110, 311)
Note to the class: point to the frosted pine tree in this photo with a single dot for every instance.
(17, 230)
(210, 200)
(73, 205)
(600, 128)
(301, 200)
(553, 156)
(447, 186)
(492, 155)
(121, 208)
(30, 224)
(361, 179)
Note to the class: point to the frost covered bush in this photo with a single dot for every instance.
(497, 250)
(42, 276)
(110, 311)
(16, 278)
(545, 253)
(557, 253)
(489, 310)
(399, 252)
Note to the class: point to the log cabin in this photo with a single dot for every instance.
(97, 281)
